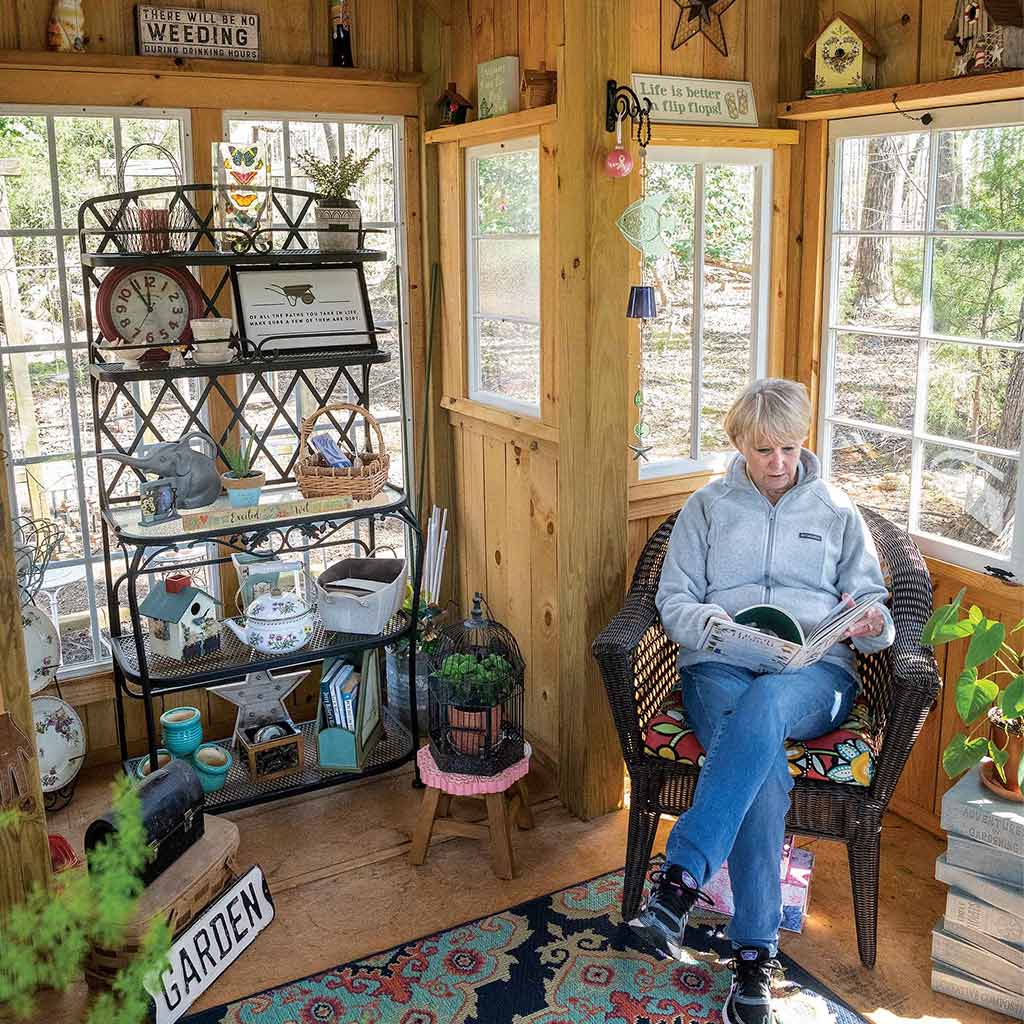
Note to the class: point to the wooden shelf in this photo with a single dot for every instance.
(507, 124)
(952, 92)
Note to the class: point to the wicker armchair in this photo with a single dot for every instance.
(638, 662)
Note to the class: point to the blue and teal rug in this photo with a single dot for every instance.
(564, 958)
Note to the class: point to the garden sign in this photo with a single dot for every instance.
(187, 32)
(697, 100)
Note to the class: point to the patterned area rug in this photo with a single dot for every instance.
(564, 958)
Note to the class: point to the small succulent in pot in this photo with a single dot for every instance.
(242, 482)
(338, 217)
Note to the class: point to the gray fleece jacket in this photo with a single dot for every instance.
(731, 548)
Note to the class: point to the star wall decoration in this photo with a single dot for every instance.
(705, 17)
(260, 698)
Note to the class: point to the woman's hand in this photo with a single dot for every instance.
(870, 625)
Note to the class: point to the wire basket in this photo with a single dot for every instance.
(150, 220)
(35, 543)
(362, 482)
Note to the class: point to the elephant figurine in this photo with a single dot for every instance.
(193, 474)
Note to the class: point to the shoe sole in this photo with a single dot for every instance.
(655, 939)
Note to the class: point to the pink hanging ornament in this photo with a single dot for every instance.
(619, 162)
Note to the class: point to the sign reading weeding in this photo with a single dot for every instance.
(186, 32)
(697, 100)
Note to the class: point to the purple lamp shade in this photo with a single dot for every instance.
(642, 305)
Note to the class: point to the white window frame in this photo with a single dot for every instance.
(473, 315)
(77, 451)
(763, 162)
(986, 115)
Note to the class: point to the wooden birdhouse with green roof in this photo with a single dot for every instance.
(182, 619)
(845, 57)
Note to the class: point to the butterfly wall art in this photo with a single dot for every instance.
(244, 198)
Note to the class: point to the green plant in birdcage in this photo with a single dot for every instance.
(482, 681)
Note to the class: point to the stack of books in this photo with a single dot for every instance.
(978, 945)
(339, 693)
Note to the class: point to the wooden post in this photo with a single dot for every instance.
(594, 402)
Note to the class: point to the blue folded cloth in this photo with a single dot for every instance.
(327, 448)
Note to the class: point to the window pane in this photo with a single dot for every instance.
(509, 277)
(879, 282)
(148, 168)
(375, 193)
(509, 355)
(978, 287)
(874, 470)
(508, 193)
(382, 278)
(49, 490)
(968, 497)
(967, 392)
(884, 183)
(64, 596)
(979, 186)
(85, 162)
(33, 314)
(875, 379)
(29, 198)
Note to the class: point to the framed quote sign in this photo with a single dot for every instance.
(697, 100)
(302, 309)
(202, 35)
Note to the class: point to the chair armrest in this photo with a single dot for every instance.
(638, 665)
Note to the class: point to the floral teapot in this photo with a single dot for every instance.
(276, 622)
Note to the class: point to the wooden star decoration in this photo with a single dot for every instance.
(705, 17)
(260, 698)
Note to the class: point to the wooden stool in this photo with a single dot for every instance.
(507, 801)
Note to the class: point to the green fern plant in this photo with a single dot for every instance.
(335, 179)
(44, 939)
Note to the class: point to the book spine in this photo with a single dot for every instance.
(972, 991)
(979, 825)
(986, 860)
(983, 917)
(977, 962)
(984, 888)
(1011, 953)
(330, 717)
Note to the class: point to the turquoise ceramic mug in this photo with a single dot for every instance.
(212, 762)
(183, 730)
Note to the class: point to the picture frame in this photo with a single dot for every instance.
(302, 309)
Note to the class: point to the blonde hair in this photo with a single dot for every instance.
(770, 411)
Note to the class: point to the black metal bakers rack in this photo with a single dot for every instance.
(109, 237)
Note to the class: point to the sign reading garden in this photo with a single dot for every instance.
(186, 32)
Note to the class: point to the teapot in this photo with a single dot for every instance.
(276, 623)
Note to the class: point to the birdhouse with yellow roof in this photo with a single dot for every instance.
(845, 57)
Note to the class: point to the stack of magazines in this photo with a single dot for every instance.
(339, 694)
(978, 946)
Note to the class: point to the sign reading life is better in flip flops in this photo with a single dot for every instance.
(697, 100)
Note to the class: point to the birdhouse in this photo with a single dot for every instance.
(845, 57)
(182, 619)
(454, 106)
(987, 35)
(539, 87)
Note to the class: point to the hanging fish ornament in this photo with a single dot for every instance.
(65, 32)
(644, 224)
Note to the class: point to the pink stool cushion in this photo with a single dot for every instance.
(470, 785)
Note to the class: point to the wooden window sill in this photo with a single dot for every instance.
(508, 125)
(501, 418)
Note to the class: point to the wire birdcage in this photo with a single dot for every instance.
(35, 543)
(475, 696)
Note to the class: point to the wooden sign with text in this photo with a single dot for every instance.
(697, 100)
(201, 35)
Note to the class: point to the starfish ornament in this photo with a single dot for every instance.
(705, 17)
(641, 451)
(260, 698)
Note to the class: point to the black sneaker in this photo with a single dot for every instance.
(750, 998)
(661, 922)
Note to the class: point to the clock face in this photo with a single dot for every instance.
(148, 305)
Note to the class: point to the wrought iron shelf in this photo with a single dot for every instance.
(394, 749)
(218, 258)
(235, 659)
(311, 361)
(123, 520)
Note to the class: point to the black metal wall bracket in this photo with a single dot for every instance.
(622, 102)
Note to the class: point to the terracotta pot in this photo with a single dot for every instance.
(1014, 745)
(469, 728)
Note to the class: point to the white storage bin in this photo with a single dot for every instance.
(359, 595)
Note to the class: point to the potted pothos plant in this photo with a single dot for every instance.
(991, 705)
(242, 482)
(338, 216)
(476, 688)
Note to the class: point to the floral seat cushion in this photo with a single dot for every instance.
(846, 754)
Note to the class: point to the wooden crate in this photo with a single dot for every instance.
(275, 757)
(179, 894)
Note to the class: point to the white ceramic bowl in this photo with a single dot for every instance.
(211, 328)
(211, 353)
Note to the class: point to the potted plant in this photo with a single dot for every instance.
(991, 705)
(338, 217)
(241, 481)
(396, 661)
(476, 688)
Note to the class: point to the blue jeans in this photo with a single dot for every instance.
(742, 797)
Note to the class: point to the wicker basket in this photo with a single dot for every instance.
(316, 481)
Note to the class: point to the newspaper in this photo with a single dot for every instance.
(768, 640)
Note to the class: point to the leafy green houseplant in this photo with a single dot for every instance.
(993, 701)
(337, 215)
(476, 688)
(242, 482)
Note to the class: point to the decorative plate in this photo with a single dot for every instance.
(60, 739)
(42, 648)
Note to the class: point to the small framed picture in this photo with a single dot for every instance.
(302, 309)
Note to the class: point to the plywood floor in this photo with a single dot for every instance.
(337, 865)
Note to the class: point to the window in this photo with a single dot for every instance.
(710, 337)
(503, 274)
(923, 373)
(53, 158)
(380, 199)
